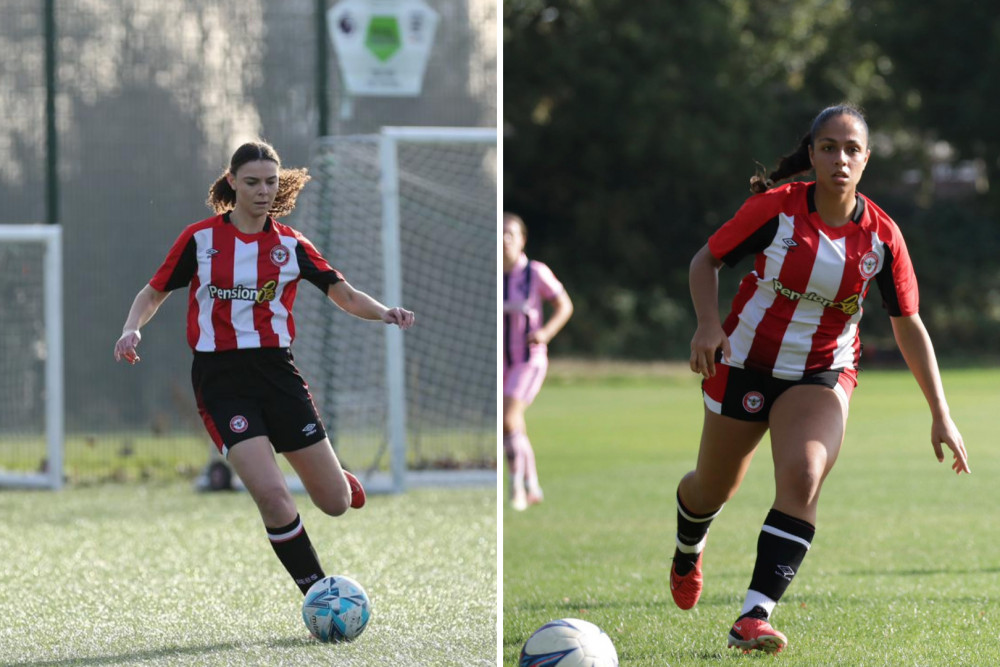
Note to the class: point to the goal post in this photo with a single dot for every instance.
(31, 357)
(409, 216)
(392, 262)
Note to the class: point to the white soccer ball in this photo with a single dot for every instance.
(569, 642)
(336, 609)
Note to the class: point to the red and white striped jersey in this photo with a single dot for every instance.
(797, 312)
(242, 285)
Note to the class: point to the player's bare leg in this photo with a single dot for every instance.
(254, 462)
(727, 447)
(321, 473)
(807, 431)
(514, 430)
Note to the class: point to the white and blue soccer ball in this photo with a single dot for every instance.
(569, 642)
(336, 609)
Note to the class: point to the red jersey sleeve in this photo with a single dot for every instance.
(752, 229)
(313, 266)
(180, 265)
(897, 281)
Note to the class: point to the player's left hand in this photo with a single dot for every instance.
(539, 337)
(944, 431)
(401, 317)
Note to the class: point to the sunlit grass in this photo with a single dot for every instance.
(162, 575)
(904, 569)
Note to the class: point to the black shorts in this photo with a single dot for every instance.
(243, 394)
(748, 395)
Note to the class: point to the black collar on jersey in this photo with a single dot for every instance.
(859, 209)
(267, 223)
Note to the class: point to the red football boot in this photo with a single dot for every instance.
(686, 589)
(357, 491)
(750, 633)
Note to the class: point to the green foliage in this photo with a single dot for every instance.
(161, 575)
(903, 569)
(631, 130)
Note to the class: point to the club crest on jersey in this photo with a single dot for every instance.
(279, 255)
(238, 424)
(753, 401)
(868, 264)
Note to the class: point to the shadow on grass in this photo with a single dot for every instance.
(170, 652)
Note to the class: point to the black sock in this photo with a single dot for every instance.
(296, 553)
(781, 547)
(691, 531)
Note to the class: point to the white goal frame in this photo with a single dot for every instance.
(51, 237)
(395, 366)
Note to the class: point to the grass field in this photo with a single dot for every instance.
(162, 575)
(904, 568)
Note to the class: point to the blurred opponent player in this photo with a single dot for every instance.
(526, 284)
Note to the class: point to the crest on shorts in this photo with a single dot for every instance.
(753, 401)
(238, 424)
(279, 255)
(868, 264)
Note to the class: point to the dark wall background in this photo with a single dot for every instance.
(153, 98)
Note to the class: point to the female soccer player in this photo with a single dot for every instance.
(526, 284)
(786, 358)
(243, 268)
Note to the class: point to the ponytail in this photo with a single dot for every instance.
(793, 164)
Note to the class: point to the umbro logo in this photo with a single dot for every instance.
(309, 429)
(211, 252)
(790, 242)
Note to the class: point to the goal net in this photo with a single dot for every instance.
(31, 383)
(408, 216)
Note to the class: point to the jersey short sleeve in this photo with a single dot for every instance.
(313, 265)
(751, 230)
(549, 286)
(180, 265)
(897, 281)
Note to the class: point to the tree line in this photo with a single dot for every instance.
(631, 131)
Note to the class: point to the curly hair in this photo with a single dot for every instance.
(797, 162)
(222, 197)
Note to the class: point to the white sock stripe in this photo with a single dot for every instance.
(787, 536)
(698, 519)
(692, 548)
(282, 537)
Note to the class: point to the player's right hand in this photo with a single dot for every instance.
(125, 347)
(706, 342)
